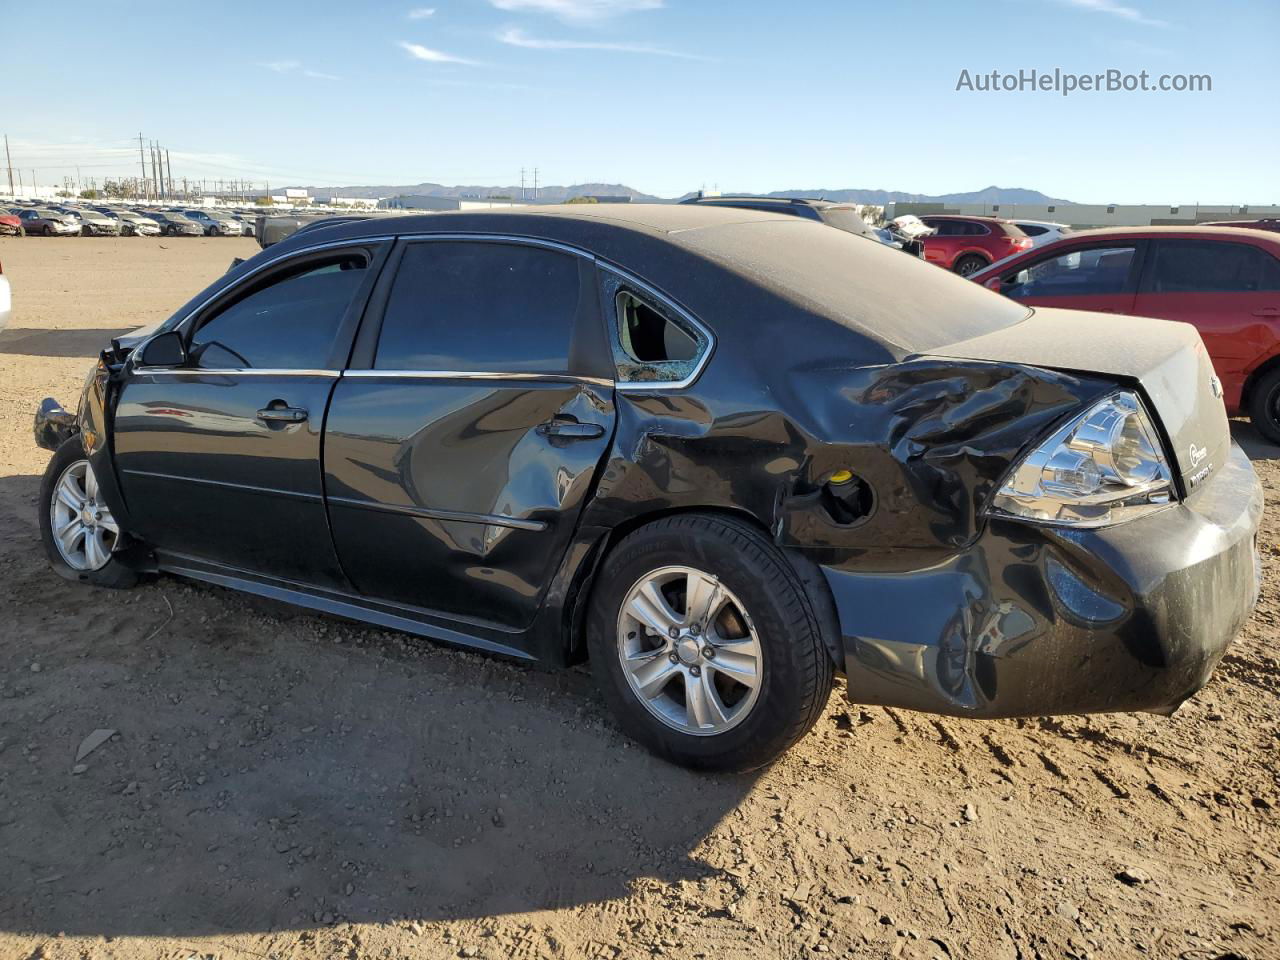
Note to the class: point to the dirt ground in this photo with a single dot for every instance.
(281, 784)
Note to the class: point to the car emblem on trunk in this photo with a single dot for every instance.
(1197, 455)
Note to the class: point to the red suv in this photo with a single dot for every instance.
(1224, 281)
(969, 244)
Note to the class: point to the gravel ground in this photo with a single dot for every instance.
(280, 784)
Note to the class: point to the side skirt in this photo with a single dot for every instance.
(413, 620)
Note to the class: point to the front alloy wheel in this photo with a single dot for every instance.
(83, 529)
(77, 528)
(689, 650)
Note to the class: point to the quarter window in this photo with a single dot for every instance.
(1097, 270)
(288, 324)
(653, 343)
(480, 307)
(1201, 266)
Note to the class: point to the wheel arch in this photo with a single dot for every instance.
(581, 594)
(1257, 373)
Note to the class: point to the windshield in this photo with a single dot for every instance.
(847, 219)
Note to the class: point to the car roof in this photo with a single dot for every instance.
(729, 199)
(965, 216)
(771, 274)
(1239, 233)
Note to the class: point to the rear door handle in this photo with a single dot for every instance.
(570, 429)
(1267, 312)
(282, 414)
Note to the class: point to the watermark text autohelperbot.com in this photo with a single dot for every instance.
(1065, 83)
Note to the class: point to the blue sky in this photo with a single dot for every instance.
(663, 95)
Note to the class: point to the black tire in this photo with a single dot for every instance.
(969, 264)
(1264, 405)
(172, 232)
(114, 574)
(48, 230)
(796, 672)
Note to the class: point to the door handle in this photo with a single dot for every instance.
(1267, 312)
(282, 414)
(570, 429)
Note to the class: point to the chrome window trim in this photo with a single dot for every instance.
(648, 386)
(273, 262)
(502, 238)
(475, 375)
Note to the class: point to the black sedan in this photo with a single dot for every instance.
(723, 454)
(175, 224)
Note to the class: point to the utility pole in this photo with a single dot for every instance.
(143, 160)
(169, 167)
(155, 177)
(535, 184)
(8, 163)
(523, 195)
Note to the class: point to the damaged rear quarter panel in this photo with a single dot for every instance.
(931, 438)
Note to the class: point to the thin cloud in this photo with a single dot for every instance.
(419, 52)
(1118, 10)
(518, 38)
(578, 10)
(295, 66)
(421, 13)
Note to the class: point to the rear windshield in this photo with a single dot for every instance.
(900, 301)
(847, 219)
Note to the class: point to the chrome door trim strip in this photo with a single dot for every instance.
(230, 372)
(474, 375)
(224, 485)
(426, 513)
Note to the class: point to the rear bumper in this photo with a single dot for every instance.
(1033, 620)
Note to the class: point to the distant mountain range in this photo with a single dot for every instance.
(559, 194)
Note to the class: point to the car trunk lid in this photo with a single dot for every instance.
(1166, 358)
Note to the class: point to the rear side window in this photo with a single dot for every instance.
(653, 343)
(1089, 272)
(1032, 230)
(1206, 266)
(480, 307)
(290, 323)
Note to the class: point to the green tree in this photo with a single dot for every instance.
(582, 200)
(89, 194)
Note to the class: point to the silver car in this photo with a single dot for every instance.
(49, 223)
(95, 224)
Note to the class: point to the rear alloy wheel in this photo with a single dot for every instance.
(969, 264)
(48, 230)
(705, 644)
(1264, 405)
(696, 668)
(77, 527)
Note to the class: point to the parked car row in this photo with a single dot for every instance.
(59, 220)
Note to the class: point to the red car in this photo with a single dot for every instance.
(969, 244)
(1266, 223)
(11, 226)
(1225, 281)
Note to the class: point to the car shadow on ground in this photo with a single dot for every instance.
(1254, 444)
(275, 770)
(36, 342)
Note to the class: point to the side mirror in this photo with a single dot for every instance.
(164, 350)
